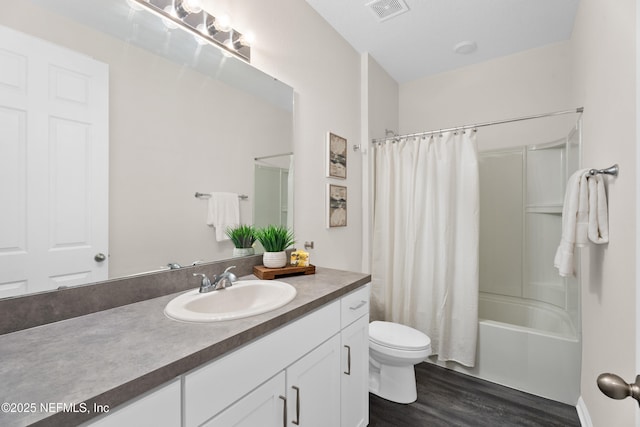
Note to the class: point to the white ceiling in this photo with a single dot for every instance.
(420, 42)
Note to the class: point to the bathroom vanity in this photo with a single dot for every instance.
(303, 364)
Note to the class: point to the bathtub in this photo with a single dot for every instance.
(526, 345)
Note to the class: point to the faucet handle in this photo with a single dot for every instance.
(232, 277)
(205, 280)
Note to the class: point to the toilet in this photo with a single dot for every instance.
(394, 349)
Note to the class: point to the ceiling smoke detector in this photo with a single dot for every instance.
(465, 47)
(387, 9)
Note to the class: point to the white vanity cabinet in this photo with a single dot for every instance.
(265, 406)
(308, 392)
(159, 408)
(323, 361)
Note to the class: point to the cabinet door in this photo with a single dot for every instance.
(264, 407)
(313, 387)
(355, 374)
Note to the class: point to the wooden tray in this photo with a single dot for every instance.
(271, 273)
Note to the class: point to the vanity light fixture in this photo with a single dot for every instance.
(189, 16)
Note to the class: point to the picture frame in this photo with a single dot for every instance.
(336, 206)
(336, 156)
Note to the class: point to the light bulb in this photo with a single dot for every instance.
(184, 8)
(223, 23)
(248, 38)
(192, 6)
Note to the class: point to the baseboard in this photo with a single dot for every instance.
(583, 413)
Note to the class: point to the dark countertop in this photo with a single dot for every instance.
(112, 356)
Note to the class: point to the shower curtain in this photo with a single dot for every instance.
(425, 239)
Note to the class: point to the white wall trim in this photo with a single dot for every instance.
(366, 163)
(583, 413)
(637, 194)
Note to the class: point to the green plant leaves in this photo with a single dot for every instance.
(242, 236)
(275, 238)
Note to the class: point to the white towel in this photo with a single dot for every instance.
(598, 215)
(224, 212)
(582, 215)
(574, 221)
(584, 218)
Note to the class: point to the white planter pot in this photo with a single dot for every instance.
(240, 252)
(274, 259)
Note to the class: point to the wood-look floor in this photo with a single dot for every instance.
(447, 398)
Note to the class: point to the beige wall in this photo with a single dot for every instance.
(604, 73)
(532, 82)
(380, 112)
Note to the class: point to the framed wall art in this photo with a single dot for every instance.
(336, 206)
(336, 156)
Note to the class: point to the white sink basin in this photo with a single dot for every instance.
(245, 298)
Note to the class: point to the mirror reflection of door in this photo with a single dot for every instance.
(53, 166)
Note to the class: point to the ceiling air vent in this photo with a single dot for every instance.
(387, 9)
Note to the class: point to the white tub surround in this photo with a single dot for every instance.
(532, 347)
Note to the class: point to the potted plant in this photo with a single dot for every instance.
(243, 238)
(275, 239)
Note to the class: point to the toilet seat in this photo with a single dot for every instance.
(400, 337)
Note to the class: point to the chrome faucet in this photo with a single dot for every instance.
(220, 281)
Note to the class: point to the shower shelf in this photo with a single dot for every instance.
(547, 209)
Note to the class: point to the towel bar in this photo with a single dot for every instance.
(613, 170)
(207, 195)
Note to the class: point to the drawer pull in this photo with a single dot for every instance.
(348, 371)
(297, 420)
(357, 306)
(284, 411)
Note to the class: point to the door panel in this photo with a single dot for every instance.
(53, 166)
(313, 387)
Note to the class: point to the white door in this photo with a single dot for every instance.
(53, 166)
(313, 387)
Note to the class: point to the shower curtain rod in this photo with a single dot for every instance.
(273, 155)
(479, 125)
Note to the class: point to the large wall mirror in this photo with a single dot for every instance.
(182, 118)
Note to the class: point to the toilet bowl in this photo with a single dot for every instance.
(394, 349)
